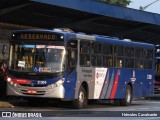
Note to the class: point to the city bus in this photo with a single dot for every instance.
(68, 66)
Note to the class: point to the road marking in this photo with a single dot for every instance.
(156, 107)
(153, 118)
(144, 108)
(130, 110)
(156, 102)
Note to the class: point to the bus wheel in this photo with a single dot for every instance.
(128, 97)
(82, 99)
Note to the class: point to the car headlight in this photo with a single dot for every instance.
(59, 82)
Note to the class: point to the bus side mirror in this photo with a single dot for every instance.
(4, 49)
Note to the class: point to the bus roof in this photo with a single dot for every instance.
(113, 40)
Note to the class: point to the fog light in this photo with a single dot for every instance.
(59, 82)
(15, 84)
(11, 83)
(51, 86)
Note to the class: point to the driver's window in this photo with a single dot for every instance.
(72, 56)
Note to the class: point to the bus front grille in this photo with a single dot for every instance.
(38, 92)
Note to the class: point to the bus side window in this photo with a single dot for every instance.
(148, 58)
(96, 54)
(119, 56)
(84, 47)
(119, 62)
(107, 61)
(84, 60)
(129, 57)
(139, 63)
(158, 68)
(85, 53)
(107, 55)
(129, 63)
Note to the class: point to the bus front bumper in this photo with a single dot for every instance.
(45, 92)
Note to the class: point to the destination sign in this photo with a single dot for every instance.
(36, 36)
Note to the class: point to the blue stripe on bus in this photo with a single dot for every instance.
(108, 92)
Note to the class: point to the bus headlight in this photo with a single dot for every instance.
(9, 79)
(59, 82)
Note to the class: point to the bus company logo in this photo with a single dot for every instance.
(6, 114)
(21, 114)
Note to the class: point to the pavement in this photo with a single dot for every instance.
(10, 103)
(6, 104)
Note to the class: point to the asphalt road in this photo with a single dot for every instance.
(94, 111)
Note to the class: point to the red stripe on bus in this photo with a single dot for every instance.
(19, 81)
(114, 87)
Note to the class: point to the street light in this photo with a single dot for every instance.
(143, 8)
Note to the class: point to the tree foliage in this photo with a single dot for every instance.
(123, 3)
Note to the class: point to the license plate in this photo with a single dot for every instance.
(32, 91)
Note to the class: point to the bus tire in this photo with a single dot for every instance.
(82, 99)
(128, 97)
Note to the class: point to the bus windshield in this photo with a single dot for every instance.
(37, 58)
